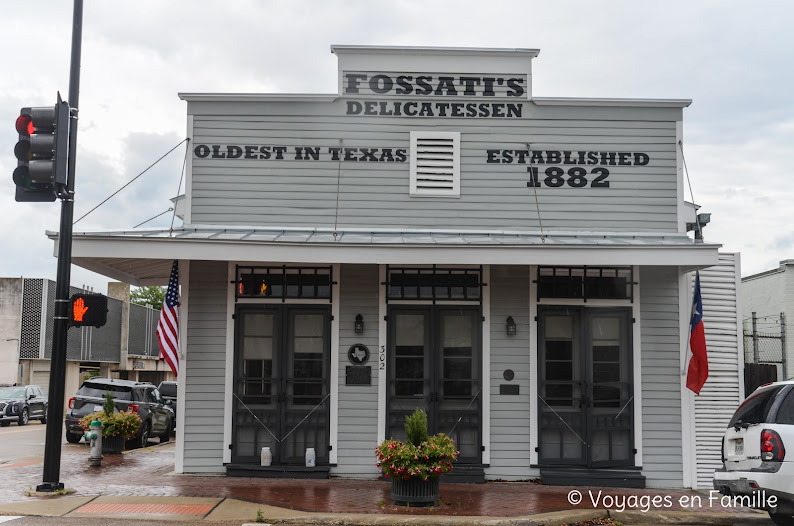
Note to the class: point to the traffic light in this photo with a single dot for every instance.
(88, 309)
(42, 152)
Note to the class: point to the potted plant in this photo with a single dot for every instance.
(414, 466)
(117, 426)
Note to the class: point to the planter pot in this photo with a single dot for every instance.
(414, 490)
(112, 445)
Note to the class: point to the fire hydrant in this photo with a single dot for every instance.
(94, 436)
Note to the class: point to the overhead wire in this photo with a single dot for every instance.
(155, 217)
(689, 183)
(131, 181)
(179, 189)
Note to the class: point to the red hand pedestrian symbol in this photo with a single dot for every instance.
(79, 309)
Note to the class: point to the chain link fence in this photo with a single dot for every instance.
(143, 338)
(764, 350)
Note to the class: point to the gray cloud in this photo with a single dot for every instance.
(731, 58)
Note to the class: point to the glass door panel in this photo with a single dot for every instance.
(611, 416)
(457, 404)
(585, 387)
(409, 368)
(306, 405)
(281, 387)
(560, 389)
(256, 392)
(434, 364)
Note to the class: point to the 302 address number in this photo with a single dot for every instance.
(576, 177)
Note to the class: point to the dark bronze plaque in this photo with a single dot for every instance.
(508, 389)
(358, 375)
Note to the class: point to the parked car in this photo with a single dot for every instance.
(168, 392)
(143, 398)
(21, 404)
(755, 461)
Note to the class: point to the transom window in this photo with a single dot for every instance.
(284, 282)
(432, 283)
(586, 283)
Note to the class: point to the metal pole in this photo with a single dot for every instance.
(755, 338)
(783, 357)
(52, 445)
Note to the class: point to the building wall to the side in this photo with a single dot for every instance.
(510, 414)
(358, 404)
(660, 325)
(255, 188)
(204, 371)
(768, 295)
(724, 389)
(10, 328)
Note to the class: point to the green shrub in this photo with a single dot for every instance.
(125, 423)
(109, 406)
(416, 427)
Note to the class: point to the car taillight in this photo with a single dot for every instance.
(71, 403)
(772, 446)
(133, 408)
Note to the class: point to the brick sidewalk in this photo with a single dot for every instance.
(149, 473)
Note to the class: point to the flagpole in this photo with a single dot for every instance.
(688, 351)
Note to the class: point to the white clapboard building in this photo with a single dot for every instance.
(435, 236)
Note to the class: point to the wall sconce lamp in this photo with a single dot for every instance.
(358, 326)
(511, 326)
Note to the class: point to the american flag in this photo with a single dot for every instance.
(168, 327)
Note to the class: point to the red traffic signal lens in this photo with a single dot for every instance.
(24, 125)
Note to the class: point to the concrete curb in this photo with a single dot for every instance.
(688, 517)
(556, 518)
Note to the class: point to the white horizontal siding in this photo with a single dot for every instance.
(510, 416)
(205, 369)
(492, 195)
(661, 378)
(721, 393)
(358, 404)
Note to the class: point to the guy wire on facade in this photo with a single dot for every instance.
(181, 176)
(338, 182)
(692, 195)
(535, 191)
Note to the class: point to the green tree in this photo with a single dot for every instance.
(153, 296)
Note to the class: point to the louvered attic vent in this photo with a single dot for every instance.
(435, 164)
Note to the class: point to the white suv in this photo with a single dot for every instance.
(756, 465)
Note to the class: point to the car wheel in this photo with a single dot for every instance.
(143, 438)
(73, 439)
(5, 423)
(781, 519)
(24, 417)
(166, 436)
(44, 417)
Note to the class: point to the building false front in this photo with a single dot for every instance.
(433, 236)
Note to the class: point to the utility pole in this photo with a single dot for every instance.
(783, 356)
(755, 338)
(52, 446)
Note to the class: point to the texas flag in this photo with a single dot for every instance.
(699, 364)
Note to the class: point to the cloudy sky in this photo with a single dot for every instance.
(733, 59)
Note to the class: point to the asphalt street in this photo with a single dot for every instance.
(23, 442)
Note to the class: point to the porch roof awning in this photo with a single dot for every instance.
(143, 257)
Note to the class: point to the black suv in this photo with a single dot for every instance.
(143, 398)
(22, 404)
(168, 392)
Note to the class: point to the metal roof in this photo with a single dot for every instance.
(358, 236)
(143, 257)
